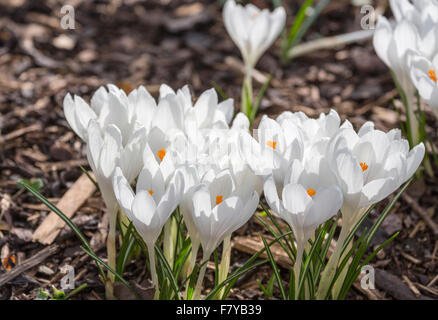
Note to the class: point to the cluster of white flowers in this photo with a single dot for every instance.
(193, 156)
(203, 159)
(409, 47)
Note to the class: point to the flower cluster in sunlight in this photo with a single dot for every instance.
(195, 156)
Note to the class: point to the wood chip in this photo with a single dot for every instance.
(411, 286)
(254, 244)
(19, 132)
(72, 200)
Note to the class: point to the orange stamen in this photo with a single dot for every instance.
(219, 199)
(161, 154)
(432, 75)
(151, 192)
(311, 192)
(364, 166)
(272, 144)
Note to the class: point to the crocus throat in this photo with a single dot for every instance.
(364, 166)
(432, 75)
(219, 199)
(272, 144)
(161, 154)
(311, 192)
(151, 192)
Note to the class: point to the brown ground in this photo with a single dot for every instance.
(133, 42)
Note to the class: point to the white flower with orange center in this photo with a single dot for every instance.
(370, 165)
(424, 76)
(152, 204)
(220, 208)
(307, 198)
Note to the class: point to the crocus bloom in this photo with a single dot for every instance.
(151, 206)
(424, 76)
(424, 15)
(391, 45)
(107, 107)
(370, 165)
(252, 30)
(219, 208)
(306, 200)
(274, 147)
(106, 151)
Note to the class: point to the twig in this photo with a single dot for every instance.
(421, 212)
(433, 281)
(329, 42)
(411, 286)
(19, 132)
(427, 289)
(410, 258)
(27, 264)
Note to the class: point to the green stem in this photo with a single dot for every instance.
(330, 269)
(198, 287)
(247, 93)
(413, 121)
(297, 267)
(337, 286)
(151, 251)
(170, 230)
(111, 253)
(224, 266)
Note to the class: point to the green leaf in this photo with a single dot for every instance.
(255, 106)
(118, 276)
(169, 272)
(36, 184)
(219, 90)
(274, 268)
(89, 177)
(52, 207)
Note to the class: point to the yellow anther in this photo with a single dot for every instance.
(219, 199)
(311, 192)
(161, 154)
(432, 75)
(272, 144)
(364, 166)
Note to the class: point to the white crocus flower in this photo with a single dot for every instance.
(275, 147)
(391, 45)
(106, 151)
(307, 199)
(370, 165)
(152, 204)
(205, 113)
(219, 208)
(110, 107)
(424, 15)
(252, 30)
(424, 76)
